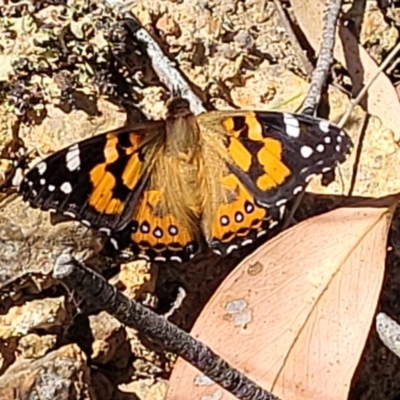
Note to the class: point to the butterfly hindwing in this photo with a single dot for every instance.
(155, 234)
(96, 181)
(238, 220)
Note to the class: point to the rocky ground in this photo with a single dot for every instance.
(237, 55)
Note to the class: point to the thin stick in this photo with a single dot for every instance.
(325, 57)
(97, 294)
(163, 66)
(319, 76)
(293, 38)
(364, 90)
(389, 332)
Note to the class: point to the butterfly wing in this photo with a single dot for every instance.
(271, 156)
(287, 150)
(97, 181)
(155, 233)
(238, 221)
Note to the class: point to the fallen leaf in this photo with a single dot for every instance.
(295, 315)
(382, 99)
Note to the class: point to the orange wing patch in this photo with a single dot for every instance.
(157, 234)
(239, 154)
(101, 198)
(265, 154)
(237, 125)
(105, 182)
(238, 220)
(270, 158)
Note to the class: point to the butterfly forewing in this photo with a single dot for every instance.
(284, 152)
(97, 181)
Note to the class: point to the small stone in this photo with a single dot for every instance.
(168, 26)
(244, 40)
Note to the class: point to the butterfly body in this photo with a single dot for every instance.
(163, 187)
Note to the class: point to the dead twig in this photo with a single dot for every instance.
(364, 90)
(293, 38)
(325, 57)
(319, 77)
(389, 332)
(162, 65)
(96, 294)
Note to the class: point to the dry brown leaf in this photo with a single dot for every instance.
(295, 315)
(382, 98)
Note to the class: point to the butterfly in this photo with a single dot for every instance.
(161, 188)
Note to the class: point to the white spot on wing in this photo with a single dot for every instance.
(249, 208)
(281, 202)
(42, 181)
(41, 168)
(224, 220)
(176, 258)
(51, 188)
(309, 177)
(158, 233)
(327, 139)
(107, 231)
(306, 151)
(69, 214)
(272, 224)
(239, 217)
(72, 158)
(18, 177)
(172, 230)
(160, 258)
(247, 242)
(66, 188)
(282, 210)
(324, 126)
(297, 190)
(261, 233)
(292, 125)
(262, 203)
(320, 148)
(144, 228)
(231, 248)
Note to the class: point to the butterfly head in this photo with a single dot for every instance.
(178, 107)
